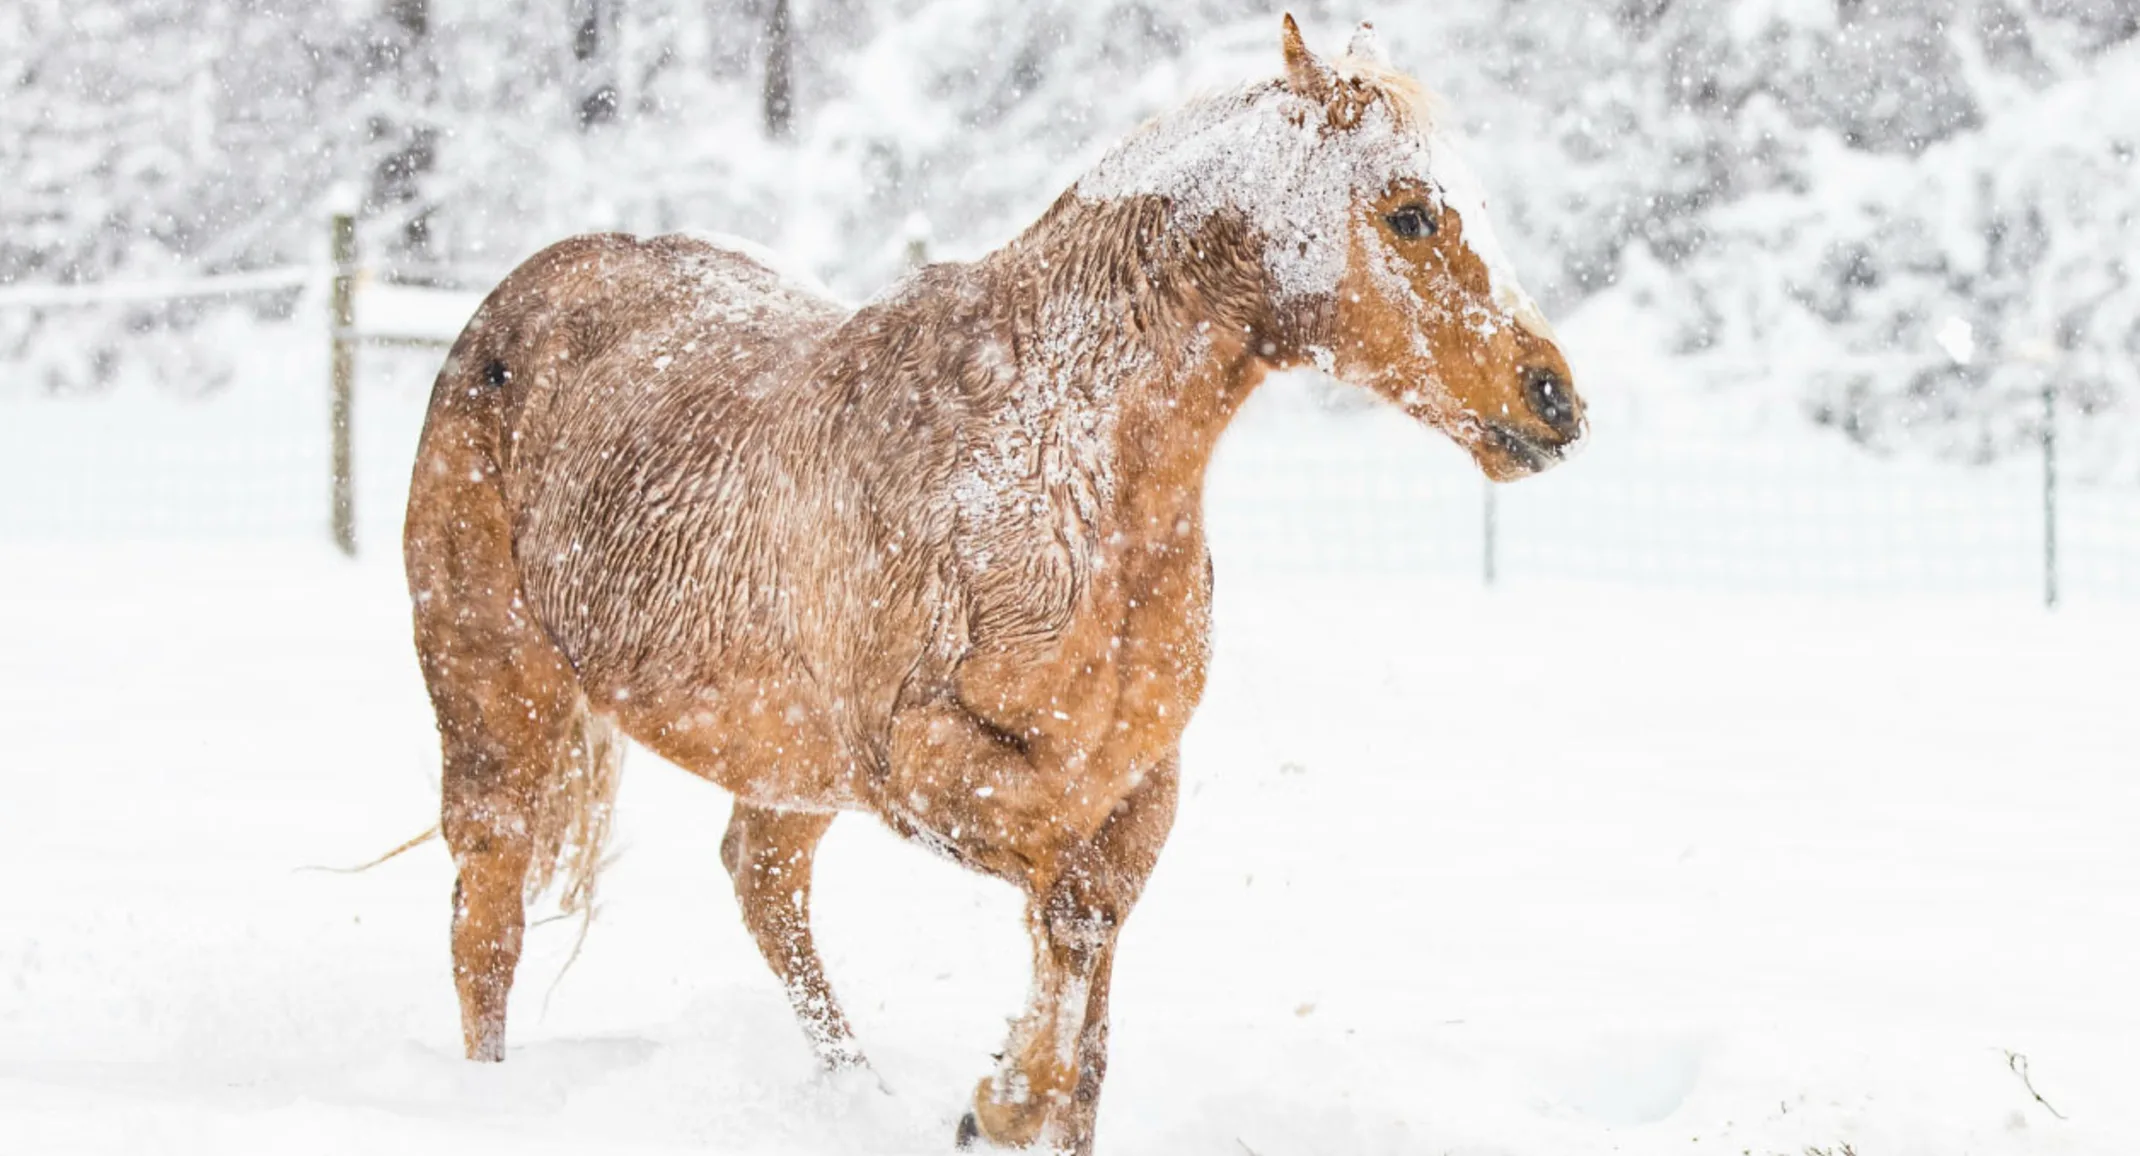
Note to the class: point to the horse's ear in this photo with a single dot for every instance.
(1304, 74)
(1366, 46)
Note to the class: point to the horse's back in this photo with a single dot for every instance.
(606, 386)
(583, 298)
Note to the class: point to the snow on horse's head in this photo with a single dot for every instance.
(1376, 249)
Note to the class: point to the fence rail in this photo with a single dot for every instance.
(142, 292)
(362, 310)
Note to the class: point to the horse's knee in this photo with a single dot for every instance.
(493, 850)
(1084, 909)
(492, 788)
(490, 834)
(486, 821)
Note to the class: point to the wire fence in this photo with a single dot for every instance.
(1787, 511)
(235, 464)
(1297, 489)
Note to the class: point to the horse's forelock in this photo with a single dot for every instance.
(1293, 165)
(1415, 106)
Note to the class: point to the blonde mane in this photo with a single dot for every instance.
(1294, 166)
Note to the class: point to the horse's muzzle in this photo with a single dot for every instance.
(1524, 454)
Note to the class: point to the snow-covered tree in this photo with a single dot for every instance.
(1899, 217)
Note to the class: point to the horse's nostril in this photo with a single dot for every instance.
(1550, 398)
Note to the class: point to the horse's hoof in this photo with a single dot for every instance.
(969, 1131)
(844, 1060)
(851, 1078)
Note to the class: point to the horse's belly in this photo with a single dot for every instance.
(767, 740)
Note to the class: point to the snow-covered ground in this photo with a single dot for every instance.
(1545, 871)
(1761, 860)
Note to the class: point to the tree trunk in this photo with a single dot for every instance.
(414, 16)
(398, 61)
(594, 50)
(779, 73)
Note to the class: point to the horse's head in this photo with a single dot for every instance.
(1379, 264)
(1428, 313)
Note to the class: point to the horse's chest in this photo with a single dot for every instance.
(1122, 667)
(1166, 643)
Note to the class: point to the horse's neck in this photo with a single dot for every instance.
(1135, 346)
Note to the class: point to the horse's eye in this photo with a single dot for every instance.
(1412, 222)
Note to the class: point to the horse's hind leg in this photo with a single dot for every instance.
(509, 713)
(491, 812)
(769, 854)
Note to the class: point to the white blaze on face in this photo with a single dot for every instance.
(1462, 192)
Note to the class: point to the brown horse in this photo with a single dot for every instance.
(939, 559)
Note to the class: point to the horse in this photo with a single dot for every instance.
(939, 559)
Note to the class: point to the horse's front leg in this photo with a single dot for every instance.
(1047, 1085)
(769, 854)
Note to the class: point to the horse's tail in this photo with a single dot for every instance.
(572, 822)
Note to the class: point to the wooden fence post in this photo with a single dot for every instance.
(916, 230)
(341, 378)
(2050, 494)
(1490, 517)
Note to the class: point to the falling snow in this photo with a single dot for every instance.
(1597, 861)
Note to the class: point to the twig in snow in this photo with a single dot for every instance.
(411, 845)
(2019, 1065)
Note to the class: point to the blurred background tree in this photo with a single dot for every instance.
(1867, 212)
